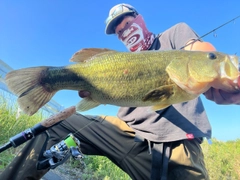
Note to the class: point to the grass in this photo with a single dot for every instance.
(10, 126)
(222, 159)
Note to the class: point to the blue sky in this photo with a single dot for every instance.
(35, 33)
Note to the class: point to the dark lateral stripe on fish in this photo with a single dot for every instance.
(51, 77)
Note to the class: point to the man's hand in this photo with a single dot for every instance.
(84, 94)
(199, 46)
(222, 97)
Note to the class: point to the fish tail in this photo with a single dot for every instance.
(26, 84)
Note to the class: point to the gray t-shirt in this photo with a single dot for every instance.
(180, 121)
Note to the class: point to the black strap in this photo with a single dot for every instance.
(160, 159)
(156, 43)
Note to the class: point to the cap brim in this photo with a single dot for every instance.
(110, 25)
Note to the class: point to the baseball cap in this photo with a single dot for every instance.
(115, 13)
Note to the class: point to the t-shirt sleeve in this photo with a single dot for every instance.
(177, 36)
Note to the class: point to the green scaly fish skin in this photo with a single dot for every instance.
(148, 78)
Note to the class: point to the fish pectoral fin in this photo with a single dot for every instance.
(159, 94)
(89, 53)
(86, 104)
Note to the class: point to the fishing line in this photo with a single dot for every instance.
(88, 124)
(214, 30)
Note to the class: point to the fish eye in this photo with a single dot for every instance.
(212, 56)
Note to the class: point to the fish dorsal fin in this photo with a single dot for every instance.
(88, 53)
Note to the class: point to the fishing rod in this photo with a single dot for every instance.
(30, 133)
(211, 31)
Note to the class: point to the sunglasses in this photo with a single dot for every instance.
(119, 10)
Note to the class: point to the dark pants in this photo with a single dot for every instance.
(113, 138)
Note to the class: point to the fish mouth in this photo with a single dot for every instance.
(230, 69)
(235, 60)
(229, 73)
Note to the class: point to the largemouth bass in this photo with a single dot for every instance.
(148, 78)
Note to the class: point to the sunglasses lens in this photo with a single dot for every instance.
(120, 9)
(116, 12)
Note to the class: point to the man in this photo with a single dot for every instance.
(145, 144)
